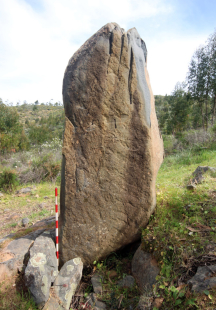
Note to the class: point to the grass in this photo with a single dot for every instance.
(183, 224)
(178, 233)
(15, 296)
(14, 207)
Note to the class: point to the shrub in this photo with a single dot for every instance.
(44, 168)
(12, 135)
(8, 180)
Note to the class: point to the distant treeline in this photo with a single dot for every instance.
(192, 104)
(27, 125)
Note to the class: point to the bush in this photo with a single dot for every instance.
(8, 180)
(12, 135)
(44, 168)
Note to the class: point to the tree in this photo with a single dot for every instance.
(212, 55)
(199, 81)
(179, 115)
(12, 135)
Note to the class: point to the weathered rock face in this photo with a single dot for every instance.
(112, 147)
(42, 268)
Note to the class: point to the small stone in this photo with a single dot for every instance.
(96, 281)
(46, 197)
(42, 205)
(1, 195)
(144, 269)
(96, 304)
(24, 190)
(191, 187)
(25, 221)
(127, 281)
(6, 210)
(203, 279)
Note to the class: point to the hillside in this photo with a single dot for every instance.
(181, 233)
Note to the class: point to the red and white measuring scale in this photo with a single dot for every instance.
(56, 210)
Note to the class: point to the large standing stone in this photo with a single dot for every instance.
(112, 147)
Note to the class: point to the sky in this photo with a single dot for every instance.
(38, 37)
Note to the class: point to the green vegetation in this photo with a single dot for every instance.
(192, 105)
(8, 180)
(183, 225)
(14, 296)
(25, 126)
(12, 135)
(178, 235)
(30, 144)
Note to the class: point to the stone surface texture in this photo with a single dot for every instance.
(205, 278)
(144, 269)
(67, 281)
(198, 173)
(112, 147)
(25, 221)
(127, 281)
(53, 303)
(12, 257)
(42, 268)
(94, 303)
(97, 281)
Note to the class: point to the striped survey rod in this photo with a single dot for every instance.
(56, 210)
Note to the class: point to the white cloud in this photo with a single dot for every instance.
(168, 62)
(36, 44)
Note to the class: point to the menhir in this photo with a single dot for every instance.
(112, 147)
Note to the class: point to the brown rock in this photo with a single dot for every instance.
(112, 147)
(144, 269)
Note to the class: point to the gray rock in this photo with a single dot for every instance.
(24, 190)
(1, 195)
(94, 303)
(6, 210)
(6, 237)
(203, 279)
(96, 281)
(47, 221)
(127, 281)
(17, 251)
(198, 173)
(67, 280)
(42, 205)
(42, 268)
(25, 221)
(191, 187)
(144, 269)
(46, 197)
